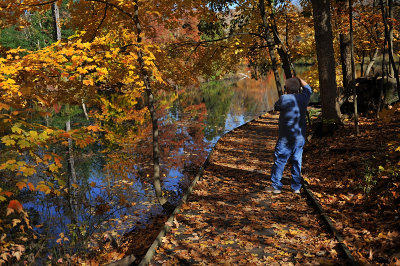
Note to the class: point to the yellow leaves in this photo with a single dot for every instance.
(68, 51)
(15, 222)
(8, 141)
(80, 70)
(24, 144)
(101, 71)
(238, 51)
(16, 51)
(76, 59)
(7, 164)
(6, 70)
(88, 82)
(27, 171)
(53, 167)
(43, 187)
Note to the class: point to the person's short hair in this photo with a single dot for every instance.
(292, 85)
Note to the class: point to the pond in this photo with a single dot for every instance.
(114, 192)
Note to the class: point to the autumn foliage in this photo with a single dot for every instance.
(118, 57)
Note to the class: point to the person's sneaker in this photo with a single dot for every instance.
(297, 191)
(273, 190)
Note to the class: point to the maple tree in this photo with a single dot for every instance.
(108, 64)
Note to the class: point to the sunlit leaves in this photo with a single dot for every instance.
(62, 238)
(14, 205)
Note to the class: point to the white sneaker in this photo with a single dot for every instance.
(297, 191)
(273, 190)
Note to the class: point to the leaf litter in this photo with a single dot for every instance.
(230, 219)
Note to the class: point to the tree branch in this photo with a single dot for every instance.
(101, 22)
(41, 4)
(112, 5)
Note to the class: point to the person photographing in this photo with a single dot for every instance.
(292, 133)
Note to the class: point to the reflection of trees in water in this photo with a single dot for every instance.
(252, 97)
(114, 190)
(217, 97)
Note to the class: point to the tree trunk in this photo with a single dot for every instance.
(353, 70)
(73, 179)
(150, 106)
(392, 68)
(57, 36)
(326, 60)
(389, 39)
(84, 110)
(283, 53)
(71, 160)
(270, 45)
(371, 63)
(362, 64)
(56, 22)
(345, 48)
(345, 58)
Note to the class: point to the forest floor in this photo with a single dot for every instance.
(230, 219)
(357, 181)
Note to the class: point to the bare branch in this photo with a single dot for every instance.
(114, 6)
(101, 22)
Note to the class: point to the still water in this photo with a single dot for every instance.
(114, 193)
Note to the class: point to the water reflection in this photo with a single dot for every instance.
(114, 192)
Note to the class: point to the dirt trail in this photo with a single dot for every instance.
(230, 219)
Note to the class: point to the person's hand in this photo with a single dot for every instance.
(302, 82)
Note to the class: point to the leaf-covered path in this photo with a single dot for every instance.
(230, 219)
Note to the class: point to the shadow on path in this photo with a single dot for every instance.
(230, 219)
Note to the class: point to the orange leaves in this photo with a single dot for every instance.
(14, 205)
(94, 128)
(22, 184)
(5, 193)
(88, 82)
(62, 238)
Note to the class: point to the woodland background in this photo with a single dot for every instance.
(118, 78)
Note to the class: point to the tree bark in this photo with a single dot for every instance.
(84, 110)
(56, 21)
(283, 53)
(270, 45)
(72, 179)
(345, 48)
(392, 69)
(57, 36)
(389, 39)
(326, 60)
(353, 69)
(371, 63)
(150, 105)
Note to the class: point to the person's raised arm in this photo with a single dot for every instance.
(307, 89)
